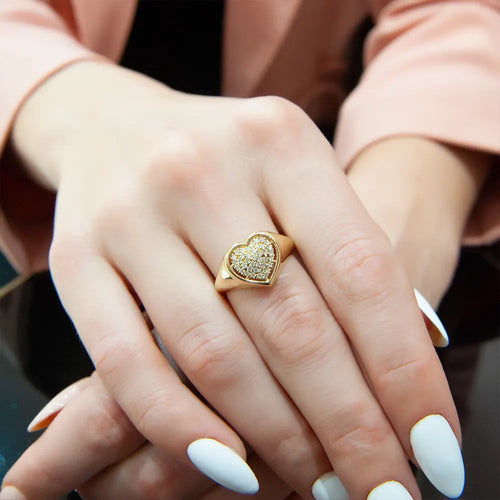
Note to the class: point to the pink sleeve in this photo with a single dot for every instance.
(432, 70)
(35, 42)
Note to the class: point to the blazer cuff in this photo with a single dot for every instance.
(432, 71)
(35, 43)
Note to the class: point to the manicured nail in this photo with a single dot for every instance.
(438, 454)
(223, 465)
(11, 493)
(437, 331)
(391, 490)
(55, 405)
(329, 487)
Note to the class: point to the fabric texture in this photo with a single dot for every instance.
(432, 70)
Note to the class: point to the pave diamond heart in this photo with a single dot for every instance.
(256, 260)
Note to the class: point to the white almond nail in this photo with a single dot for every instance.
(329, 487)
(11, 493)
(223, 465)
(437, 331)
(438, 454)
(391, 490)
(55, 405)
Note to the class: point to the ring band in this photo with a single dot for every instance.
(253, 263)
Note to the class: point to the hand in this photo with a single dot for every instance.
(421, 193)
(113, 459)
(153, 187)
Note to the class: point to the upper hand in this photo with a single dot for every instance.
(153, 187)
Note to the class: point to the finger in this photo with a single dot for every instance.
(358, 274)
(307, 351)
(148, 473)
(216, 354)
(151, 474)
(313, 360)
(49, 412)
(135, 372)
(93, 428)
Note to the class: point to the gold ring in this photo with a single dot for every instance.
(254, 263)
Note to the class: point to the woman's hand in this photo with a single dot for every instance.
(421, 192)
(332, 366)
(91, 445)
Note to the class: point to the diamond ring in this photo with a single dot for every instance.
(255, 262)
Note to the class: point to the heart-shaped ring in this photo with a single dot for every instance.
(255, 262)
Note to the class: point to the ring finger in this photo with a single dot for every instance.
(307, 351)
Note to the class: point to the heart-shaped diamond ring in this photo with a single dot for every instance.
(255, 262)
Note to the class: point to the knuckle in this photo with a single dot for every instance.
(360, 269)
(269, 120)
(63, 254)
(360, 437)
(178, 164)
(158, 477)
(209, 356)
(293, 448)
(293, 327)
(108, 428)
(110, 353)
(152, 409)
(396, 377)
(153, 484)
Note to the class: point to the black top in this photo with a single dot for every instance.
(179, 43)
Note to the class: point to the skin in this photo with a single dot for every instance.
(152, 203)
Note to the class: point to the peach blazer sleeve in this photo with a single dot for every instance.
(35, 41)
(432, 69)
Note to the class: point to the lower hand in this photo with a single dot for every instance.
(421, 192)
(91, 445)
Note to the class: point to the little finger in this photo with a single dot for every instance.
(137, 374)
(147, 474)
(366, 288)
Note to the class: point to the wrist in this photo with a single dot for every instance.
(420, 193)
(68, 110)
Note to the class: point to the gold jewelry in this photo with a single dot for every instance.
(253, 263)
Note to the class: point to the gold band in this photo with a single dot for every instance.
(253, 263)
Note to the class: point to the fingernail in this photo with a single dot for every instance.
(438, 454)
(55, 405)
(437, 331)
(11, 493)
(223, 465)
(329, 487)
(391, 490)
